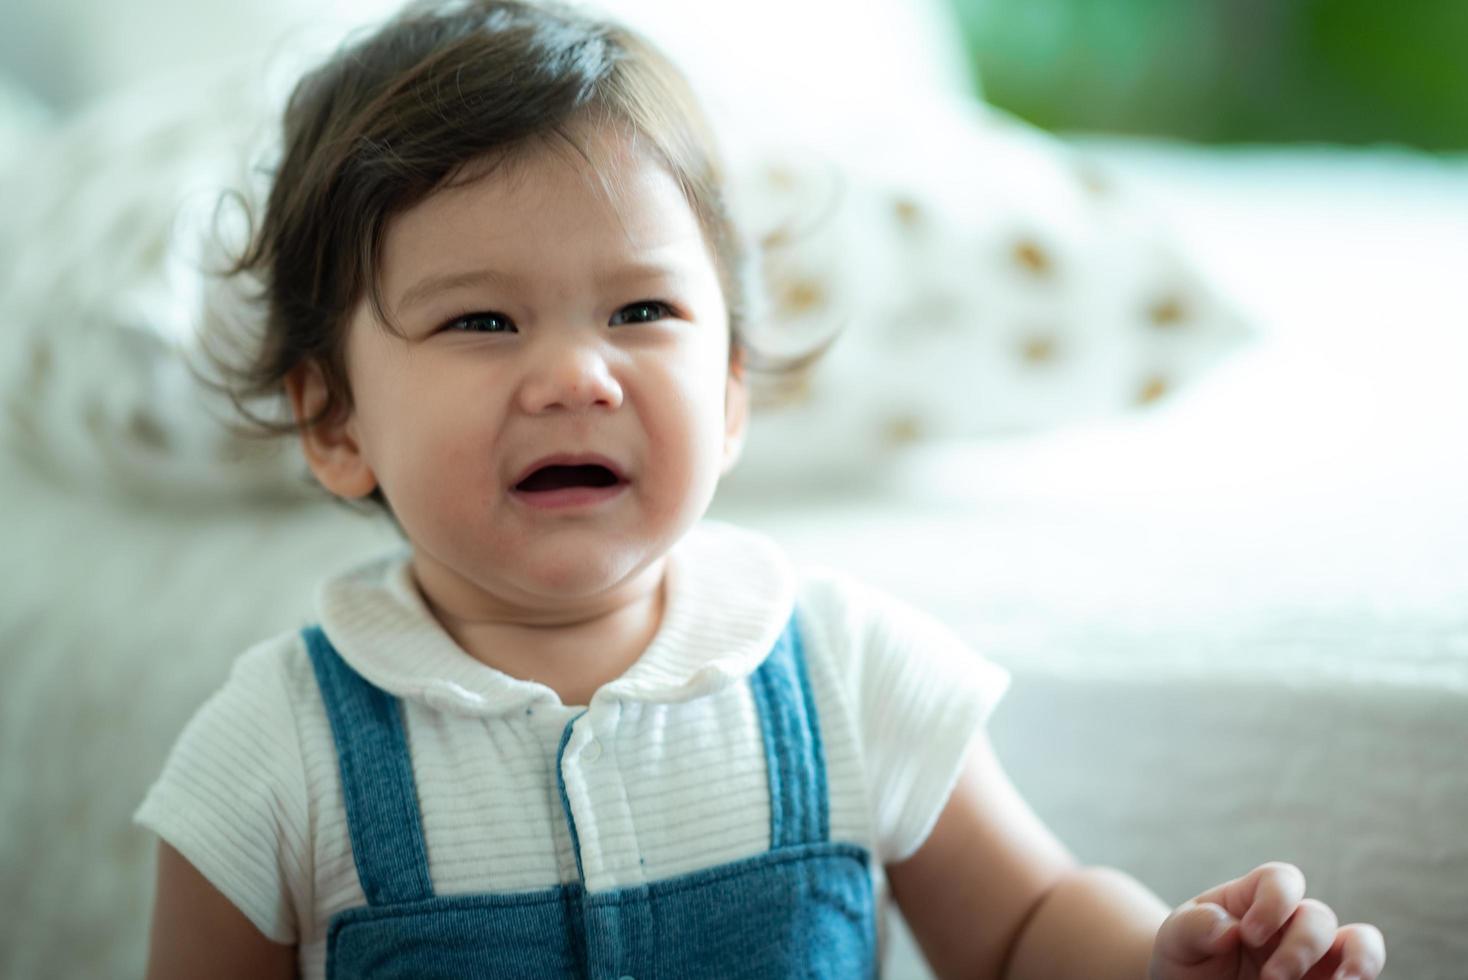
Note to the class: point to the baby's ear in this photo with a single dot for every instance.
(330, 443)
(736, 412)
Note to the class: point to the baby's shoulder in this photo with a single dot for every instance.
(869, 634)
(273, 677)
(233, 796)
(851, 611)
(257, 725)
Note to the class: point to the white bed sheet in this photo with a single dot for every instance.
(1237, 623)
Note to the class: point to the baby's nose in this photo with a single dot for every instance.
(574, 377)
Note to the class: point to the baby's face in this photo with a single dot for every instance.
(562, 407)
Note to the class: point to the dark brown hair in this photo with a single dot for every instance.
(389, 119)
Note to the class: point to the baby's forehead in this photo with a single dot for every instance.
(636, 204)
(611, 180)
(597, 206)
(594, 152)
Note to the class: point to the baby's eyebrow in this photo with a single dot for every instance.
(637, 272)
(430, 285)
(628, 274)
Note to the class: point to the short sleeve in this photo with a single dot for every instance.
(232, 796)
(920, 696)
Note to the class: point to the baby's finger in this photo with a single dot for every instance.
(1308, 937)
(1277, 890)
(1361, 950)
(1194, 932)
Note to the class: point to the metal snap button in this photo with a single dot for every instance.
(592, 752)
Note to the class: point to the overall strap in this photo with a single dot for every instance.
(377, 779)
(799, 808)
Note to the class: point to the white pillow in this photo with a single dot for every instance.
(102, 289)
(22, 119)
(980, 279)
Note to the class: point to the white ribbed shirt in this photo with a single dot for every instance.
(664, 771)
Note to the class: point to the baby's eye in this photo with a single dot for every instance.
(644, 311)
(481, 323)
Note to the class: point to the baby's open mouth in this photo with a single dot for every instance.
(564, 477)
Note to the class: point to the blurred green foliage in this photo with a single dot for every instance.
(1344, 71)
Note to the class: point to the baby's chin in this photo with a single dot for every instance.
(577, 577)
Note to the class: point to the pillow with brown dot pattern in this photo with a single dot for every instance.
(982, 278)
(109, 230)
(966, 277)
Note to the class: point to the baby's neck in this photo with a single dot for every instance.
(574, 655)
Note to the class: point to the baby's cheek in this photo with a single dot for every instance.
(443, 477)
(695, 467)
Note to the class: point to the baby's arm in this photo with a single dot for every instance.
(991, 890)
(992, 894)
(197, 932)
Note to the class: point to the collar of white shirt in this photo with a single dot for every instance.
(729, 595)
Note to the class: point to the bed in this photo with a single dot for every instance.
(1237, 625)
(1236, 617)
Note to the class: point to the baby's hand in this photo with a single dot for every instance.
(1262, 927)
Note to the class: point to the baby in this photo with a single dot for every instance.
(571, 729)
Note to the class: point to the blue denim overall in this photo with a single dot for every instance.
(802, 909)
